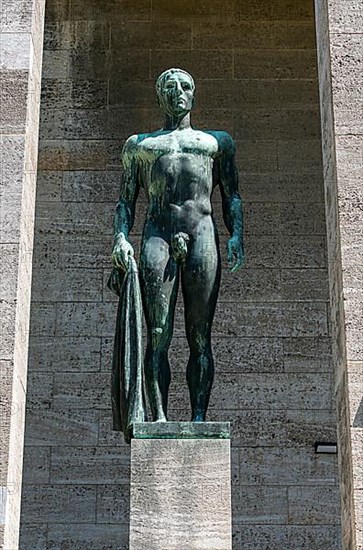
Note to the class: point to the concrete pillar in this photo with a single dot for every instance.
(21, 43)
(180, 487)
(339, 25)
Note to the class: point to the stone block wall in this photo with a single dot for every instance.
(21, 45)
(255, 70)
(340, 47)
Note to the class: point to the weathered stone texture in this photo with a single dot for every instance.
(255, 67)
(51, 503)
(180, 494)
(34, 536)
(339, 38)
(87, 537)
(13, 96)
(21, 37)
(270, 537)
(313, 505)
(54, 427)
(262, 504)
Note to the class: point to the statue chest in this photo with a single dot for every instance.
(175, 146)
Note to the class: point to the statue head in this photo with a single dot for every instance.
(175, 92)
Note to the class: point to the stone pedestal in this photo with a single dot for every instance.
(180, 486)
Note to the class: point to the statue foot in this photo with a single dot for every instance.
(161, 418)
(198, 418)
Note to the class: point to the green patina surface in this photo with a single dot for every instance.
(181, 430)
(178, 167)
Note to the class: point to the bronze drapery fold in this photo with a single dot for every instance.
(127, 386)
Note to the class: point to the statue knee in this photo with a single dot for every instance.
(199, 343)
(159, 339)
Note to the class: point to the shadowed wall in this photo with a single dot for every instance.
(255, 70)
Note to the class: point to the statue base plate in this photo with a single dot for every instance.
(180, 486)
(181, 430)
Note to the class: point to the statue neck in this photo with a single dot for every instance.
(173, 122)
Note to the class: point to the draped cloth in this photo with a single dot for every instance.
(127, 386)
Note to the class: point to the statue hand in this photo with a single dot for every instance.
(235, 254)
(121, 251)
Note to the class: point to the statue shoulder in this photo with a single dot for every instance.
(134, 144)
(131, 149)
(225, 141)
(130, 146)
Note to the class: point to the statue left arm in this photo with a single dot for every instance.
(231, 200)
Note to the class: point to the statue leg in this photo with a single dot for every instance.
(200, 285)
(159, 286)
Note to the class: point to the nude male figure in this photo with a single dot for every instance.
(178, 167)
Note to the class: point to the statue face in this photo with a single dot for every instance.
(176, 96)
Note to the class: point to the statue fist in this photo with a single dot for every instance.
(121, 252)
(235, 254)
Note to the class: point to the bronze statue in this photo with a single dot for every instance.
(178, 167)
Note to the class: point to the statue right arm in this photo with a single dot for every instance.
(125, 209)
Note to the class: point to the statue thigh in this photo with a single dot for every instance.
(200, 277)
(159, 287)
